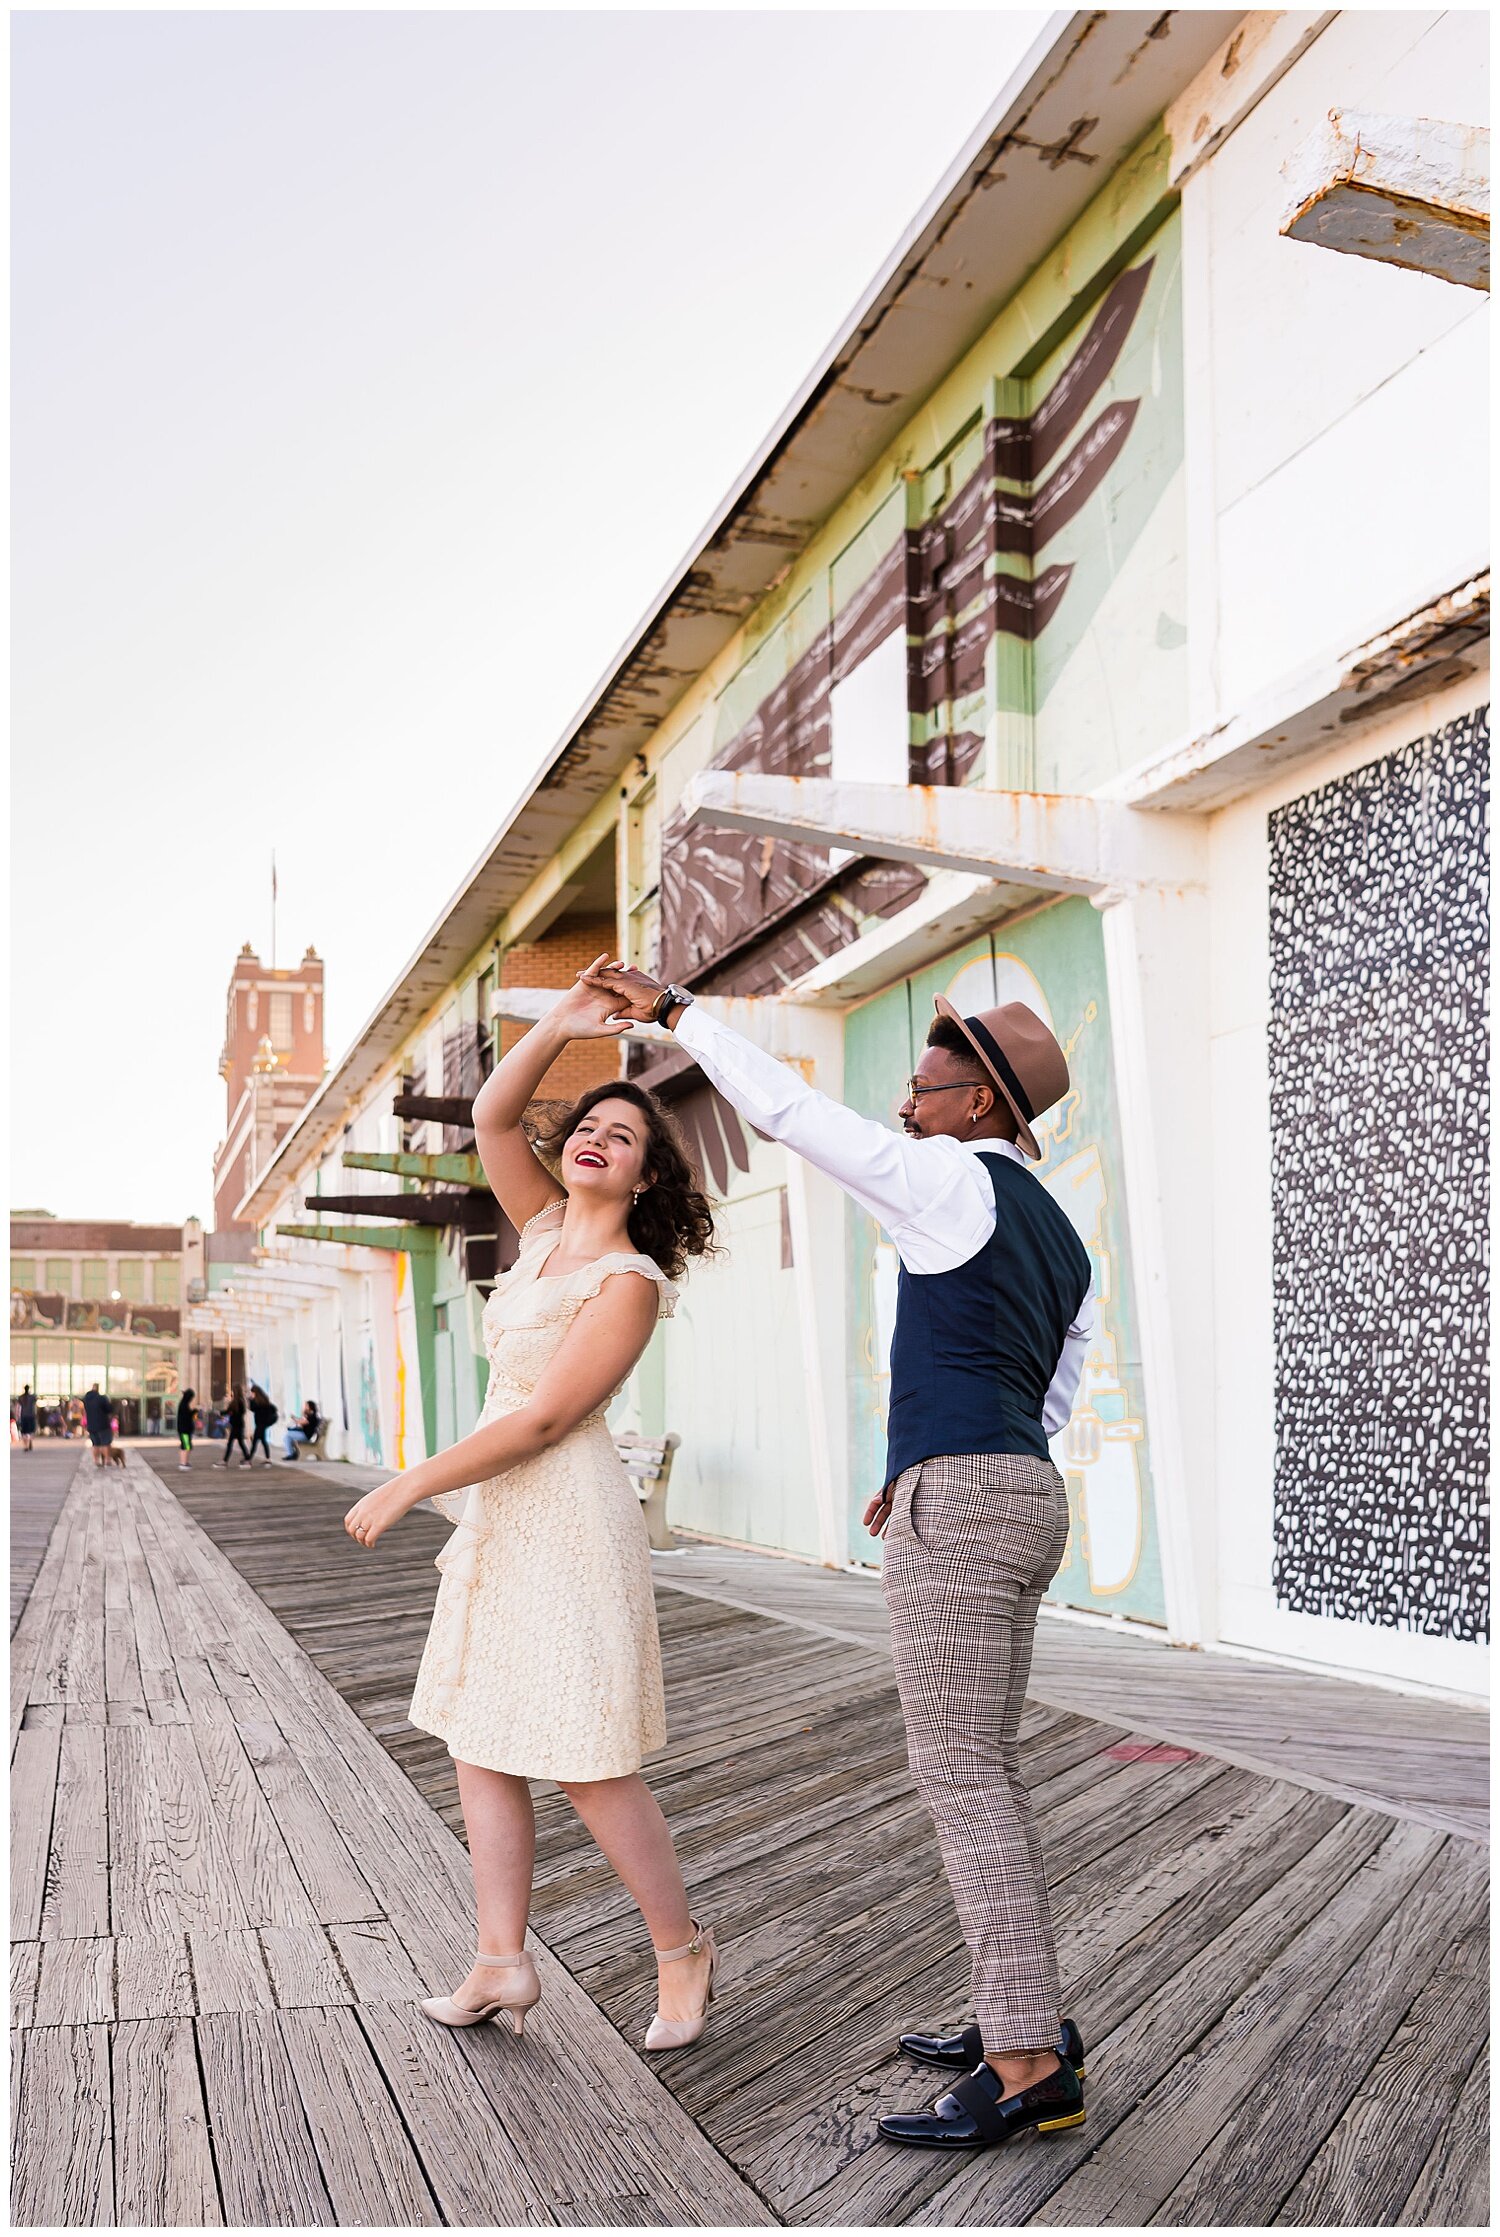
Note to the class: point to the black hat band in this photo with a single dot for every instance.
(1002, 1064)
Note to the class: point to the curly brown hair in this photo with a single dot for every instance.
(672, 1220)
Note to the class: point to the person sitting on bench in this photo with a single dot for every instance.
(304, 1430)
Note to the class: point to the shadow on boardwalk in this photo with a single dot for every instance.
(276, 1893)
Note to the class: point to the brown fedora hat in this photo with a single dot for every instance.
(1018, 1053)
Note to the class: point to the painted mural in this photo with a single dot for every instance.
(997, 562)
(1380, 1204)
(1054, 962)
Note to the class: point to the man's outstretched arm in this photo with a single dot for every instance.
(934, 1201)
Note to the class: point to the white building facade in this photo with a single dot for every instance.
(1105, 626)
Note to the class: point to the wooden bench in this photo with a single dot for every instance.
(648, 1463)
(314, 1449)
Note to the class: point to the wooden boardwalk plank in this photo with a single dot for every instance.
(203, 1882)
(122, 1665)
(1453, 2189)
(76, 1982)
(268, 2171)
(62, 2170)
(1257, 2157)
(1373, 2159)
(477, 2175)
(1233, 1859)
(1129, 2176)
(376, 1963)
(85, 1652)
(142, 1899)
(39, 1485)
(77, 1890)
(229, 1970)
(39, 1648)
(269, 1887)
(371, 2172)
(861, 2181)
(25, 1971)
(164, 2171)
(33, 1789)
(303, 1968)
(153, 1977)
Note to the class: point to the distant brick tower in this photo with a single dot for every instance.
(272, 1065)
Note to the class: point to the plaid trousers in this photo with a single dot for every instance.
(972, 1544)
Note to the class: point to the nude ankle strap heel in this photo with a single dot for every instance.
(517, 2001)
(675, 2035)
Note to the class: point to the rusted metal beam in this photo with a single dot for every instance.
(1049, 842)
(1443, 642)
(442, 1110)
(450, 1165)
(414, 1239)
(474, 1208)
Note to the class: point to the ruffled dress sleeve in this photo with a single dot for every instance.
(589, 1280)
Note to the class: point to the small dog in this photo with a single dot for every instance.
(115, 1455)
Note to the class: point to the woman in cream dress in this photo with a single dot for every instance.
(543, 1660)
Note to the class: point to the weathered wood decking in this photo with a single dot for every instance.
(225, 1899)
(1284, 1994)
(1412, 1754)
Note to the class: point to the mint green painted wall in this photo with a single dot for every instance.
(1054, 961)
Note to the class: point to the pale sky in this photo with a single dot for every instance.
(370, 374)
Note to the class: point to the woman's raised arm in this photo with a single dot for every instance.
(511, 1166)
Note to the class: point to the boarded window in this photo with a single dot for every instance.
(23, 1273)
(281, 1021)
(95, 1278)
(130, 1279)
(60, 1276)
(164, 1282)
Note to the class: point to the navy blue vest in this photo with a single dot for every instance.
(975, 1349)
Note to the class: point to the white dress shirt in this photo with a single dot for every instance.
(933, 1196)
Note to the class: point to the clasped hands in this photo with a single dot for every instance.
(633, 994)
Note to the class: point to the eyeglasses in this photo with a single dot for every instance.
(916, 1089)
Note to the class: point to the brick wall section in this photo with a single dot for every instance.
(556, 960)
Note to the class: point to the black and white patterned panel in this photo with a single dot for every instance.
(1379, 1143)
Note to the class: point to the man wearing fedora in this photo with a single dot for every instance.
(994, 1313)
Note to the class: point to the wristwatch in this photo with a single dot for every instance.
(670, 998)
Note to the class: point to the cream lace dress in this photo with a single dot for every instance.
(543, 1658)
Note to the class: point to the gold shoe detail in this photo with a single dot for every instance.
(675, 2035)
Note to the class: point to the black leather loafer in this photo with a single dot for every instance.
(964, 2052)
(976, 2112)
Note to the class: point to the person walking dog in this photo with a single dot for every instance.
(995, 1310)
(99, 1422)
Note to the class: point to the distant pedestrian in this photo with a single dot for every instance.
(98, 1422)
(264, 1417)
(26, 1417)
(234, 1419)
(186, 1419)
(304, 1430)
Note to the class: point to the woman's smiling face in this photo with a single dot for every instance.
(606, 1151)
